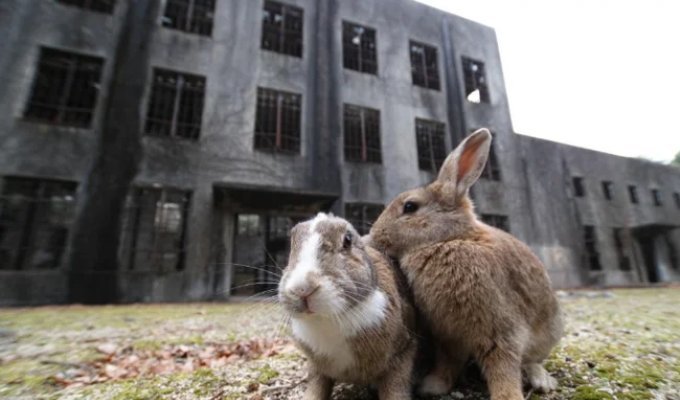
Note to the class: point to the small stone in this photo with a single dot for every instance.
(252, 387)
(590, 364)
(107, 348)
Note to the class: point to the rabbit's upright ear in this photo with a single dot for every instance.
(465, 164)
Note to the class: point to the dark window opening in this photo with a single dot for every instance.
(65, 88)
(476, 89)
(632, 192)
(492, 169)
(424, 68)
(362, 215)
(154, 229)
(620, 241)
(431, 145)
(672, 252)
(277, 121)
(193, 16)
(176, 105)
(362, 134)
(579, 189)
(35, 218)
(590, 241)
(677, 199)
(102, 6)
(359, 48)
(282, 28)
(656, 197)
(607, 189)
(497, 221)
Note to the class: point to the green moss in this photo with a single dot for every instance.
(267, 373)
(590, 393)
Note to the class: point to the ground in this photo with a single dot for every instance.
(620, 344)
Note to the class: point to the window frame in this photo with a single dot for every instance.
(426, 128)
(89, 5)
(656, 197)
(283, 34)
(430, 79)
(499, 221)
(367, 116)
(578, 184)
(366, 209)
(189, 17)
(291, 112)
(633, 194)
(590, 244)
(607, 190)
(620, 239)
(475, 79)
(366, 63)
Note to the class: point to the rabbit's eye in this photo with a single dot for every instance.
(410, 207)
(347, 241)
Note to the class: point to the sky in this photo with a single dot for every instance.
(600, 74)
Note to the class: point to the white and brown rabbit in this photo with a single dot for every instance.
(349, 313)
(482, 292)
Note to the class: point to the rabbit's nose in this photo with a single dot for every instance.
(304, 291)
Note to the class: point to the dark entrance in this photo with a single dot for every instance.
(263, 217)
(648, 236)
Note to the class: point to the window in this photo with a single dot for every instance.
(492, 169)
(103, 6)
(193, 16)
(632, 192)
(248, 225)
(65, 88)
(277, 121)
(431, 145)
(362, 215)
(359, 48)
(35, 218)
(424, 69)
(176, 104)
(362, 134)
(590, 241)
(154, 229)
(656, 197)
(607, 189)
(282, 28)
(476, 89)
(496, 220)
(676, 196)
(621, 253)
(579, 189)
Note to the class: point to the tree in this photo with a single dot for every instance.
(93, 256)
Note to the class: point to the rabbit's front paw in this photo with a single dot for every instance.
(539, 378)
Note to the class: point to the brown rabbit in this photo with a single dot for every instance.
(483, 293)
(349, 313)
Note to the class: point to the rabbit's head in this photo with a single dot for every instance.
(328, 270)
(439, 211)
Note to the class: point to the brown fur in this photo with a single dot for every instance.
(382, 355)
(482, 291)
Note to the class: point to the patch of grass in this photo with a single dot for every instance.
(590, 393)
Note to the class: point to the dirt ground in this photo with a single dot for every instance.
(620, 344)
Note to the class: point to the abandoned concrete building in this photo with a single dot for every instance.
(259, 113)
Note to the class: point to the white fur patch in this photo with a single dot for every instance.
(328, 336)
(308, 260)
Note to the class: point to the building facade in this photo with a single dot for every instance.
(257, 114)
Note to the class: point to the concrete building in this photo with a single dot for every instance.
(257, 114)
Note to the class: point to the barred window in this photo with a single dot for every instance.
(579, 188)
(193, 16)
(632, 193)
(476, 89)
(176, 104)
(607, 189)
(35, 218)
(590, 242)
(431, 144)
(362, 215)
(277, 121)
(359, 48)
(103, 6)
(424, 68)
(492, 169)
(656, 197)
(154, 229)
(282, 28)
(497, 220)
(362, 134)
(620, 239)
(65, 88)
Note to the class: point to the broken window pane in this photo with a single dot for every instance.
(65, 88)
(362, 134)
(282, 28)
(424, 68)
(476, 89)
(359, 48)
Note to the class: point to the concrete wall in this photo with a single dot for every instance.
(534, 192)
